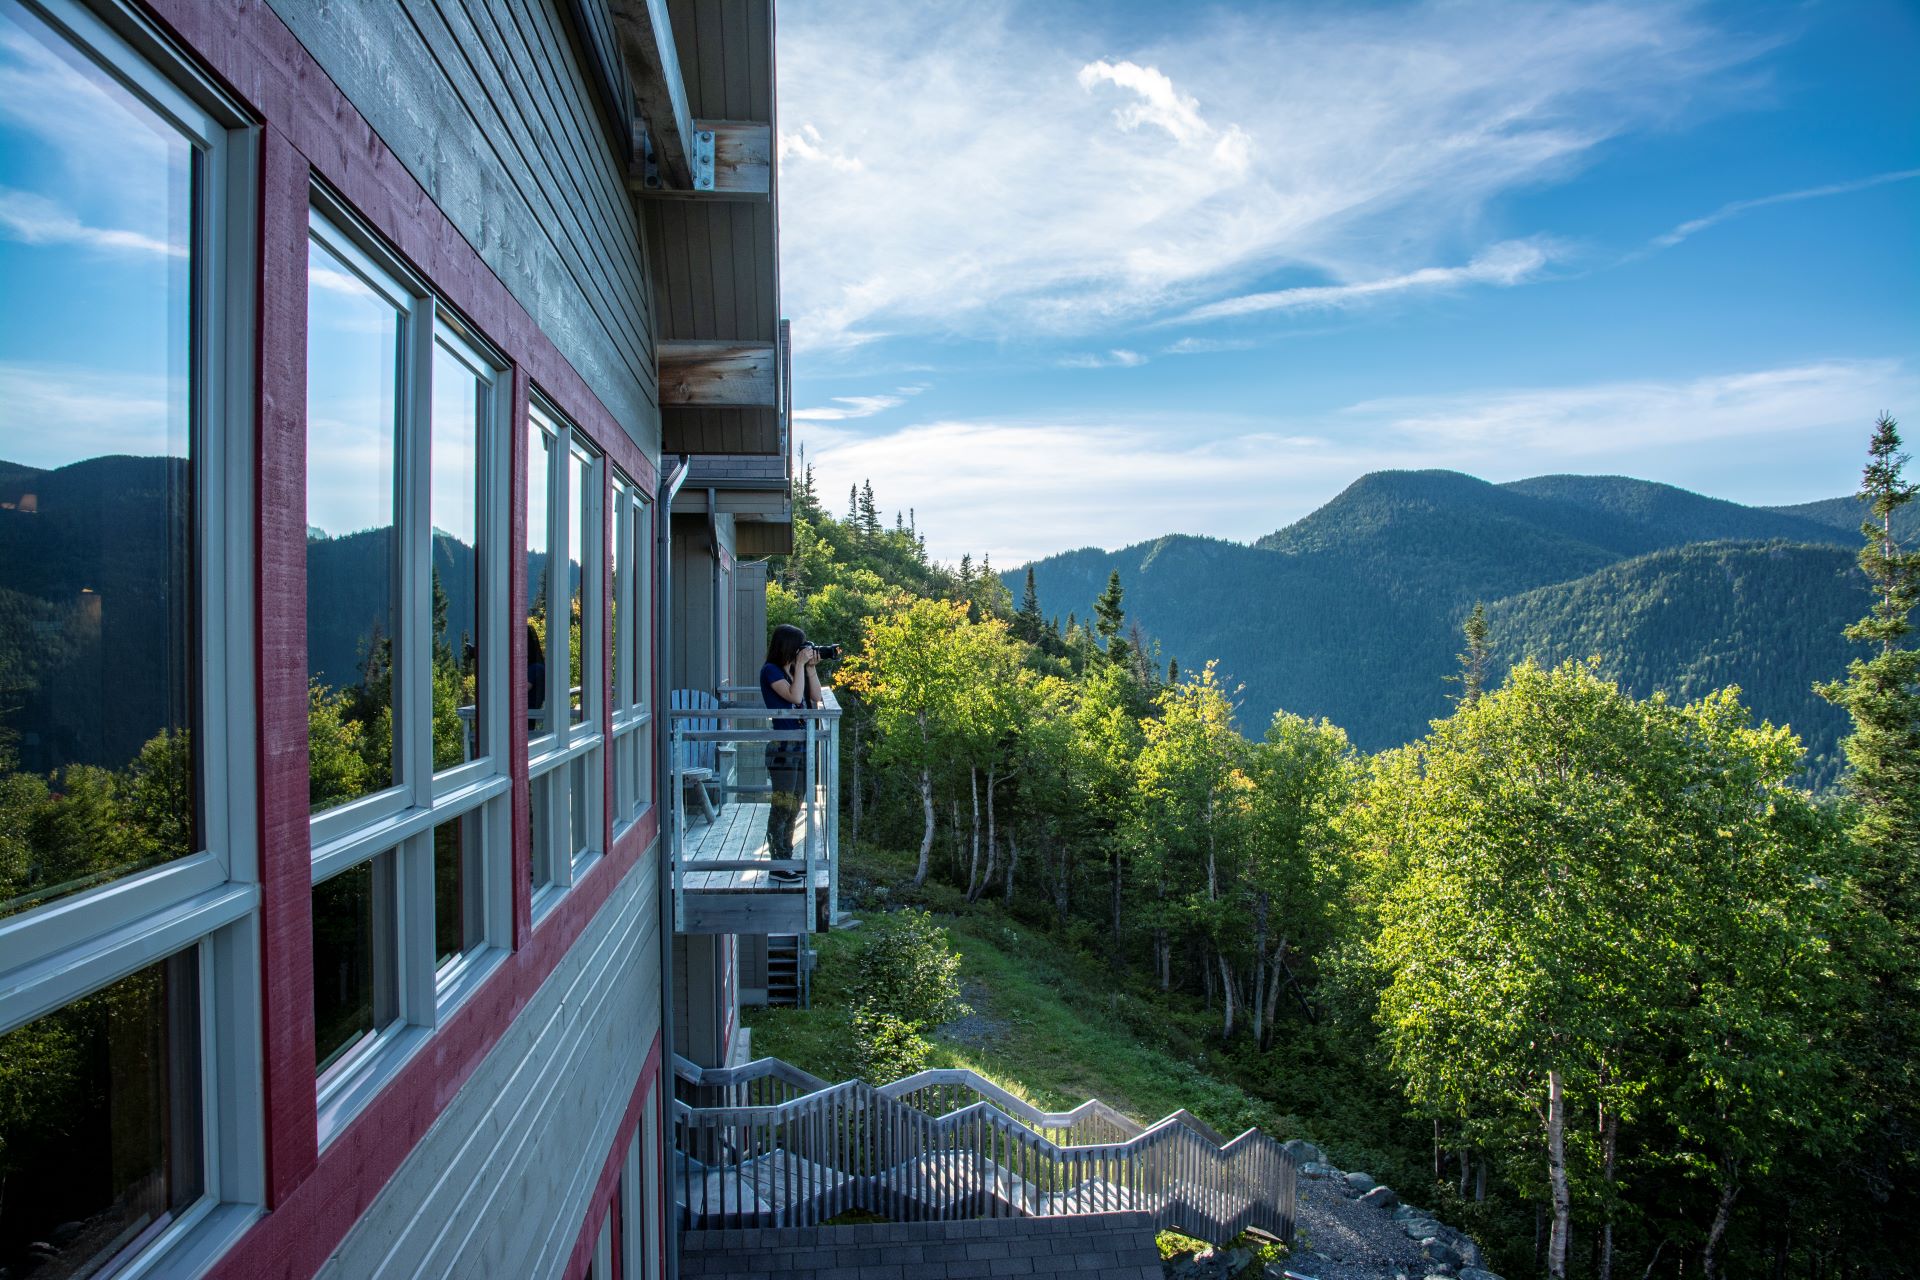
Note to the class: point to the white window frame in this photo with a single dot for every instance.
(632, 688)
(399, 821)
(206, 903)
(554, 755)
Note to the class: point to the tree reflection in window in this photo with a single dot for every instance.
(98, 643)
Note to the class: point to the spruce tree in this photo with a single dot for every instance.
(853, 507)
(869, 513)
(1477, 658)
(1882, 695)
(1110, 617)
(1027, 623)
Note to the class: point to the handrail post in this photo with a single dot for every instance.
(808, 775)
(832, 801)
(675, 851)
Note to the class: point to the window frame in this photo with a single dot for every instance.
(553, 755)
(205, 903)
(399, 821)
(633, 639)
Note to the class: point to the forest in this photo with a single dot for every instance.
(1655, 1000)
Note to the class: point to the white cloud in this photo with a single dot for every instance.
(1117, 358)
(848, 407)
(54, 415)
(34, 219)
(1121, 479)
(1738, 207)
(1510, 263)
(1205, 346)
(982, 170)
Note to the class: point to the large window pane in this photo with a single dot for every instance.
(353, 959)
(459, 399)
(583, 819)
(97, 635)
(100, 1134)
(353, 348)
(541, 447)
(580, 477)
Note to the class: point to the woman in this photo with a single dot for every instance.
(790, 678)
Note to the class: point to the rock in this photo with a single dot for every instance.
(1304, 1152)
(1360, 1182)
(1421, 1228)
(1476, 1273)
(1439, 1251)
(1315, 1169)
(1380, 1198)
(1470, 1255)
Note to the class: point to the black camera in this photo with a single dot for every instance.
(827, 652)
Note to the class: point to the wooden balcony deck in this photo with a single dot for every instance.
(746, 900)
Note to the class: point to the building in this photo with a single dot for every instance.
(431, 424)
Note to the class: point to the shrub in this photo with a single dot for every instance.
(909, 971)
(885, 1047)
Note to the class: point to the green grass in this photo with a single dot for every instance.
(1057, 1025)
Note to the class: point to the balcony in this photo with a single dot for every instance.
(723, 870)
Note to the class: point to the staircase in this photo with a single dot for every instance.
(789, 970)
(769, 1145)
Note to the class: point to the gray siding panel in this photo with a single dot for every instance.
(500, 1184)
(487, 105)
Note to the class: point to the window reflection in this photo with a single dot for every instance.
(540, 461)
(459, 397)
(97, 634)
(353, 994)
(100, 1135)
(579, 478)
(457, 900)
(353, 347)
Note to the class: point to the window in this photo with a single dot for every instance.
(129, 949)
(632, 650)
(566, 665)
(406, 595)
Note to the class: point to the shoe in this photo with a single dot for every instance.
(784, 873)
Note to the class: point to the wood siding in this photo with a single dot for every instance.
(502, 1181)
(488, 106)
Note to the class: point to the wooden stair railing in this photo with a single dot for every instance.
(766, 1144)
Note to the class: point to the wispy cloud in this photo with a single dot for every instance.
(1117, 358)
(1510, 263)
(844, 407)
(34, 219)
(1114, 480)
(982, 170)
(1205, 346)
(82, 413)
(1738, 207)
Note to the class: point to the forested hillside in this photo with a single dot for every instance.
(1596, 972)
(1353, 612)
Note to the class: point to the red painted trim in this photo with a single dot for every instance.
(280, 594)
(607, 642)
(606, 1191)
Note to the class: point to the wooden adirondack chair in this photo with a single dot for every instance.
(700, 761)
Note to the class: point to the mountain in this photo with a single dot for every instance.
(1353, 612)
(1846, 515)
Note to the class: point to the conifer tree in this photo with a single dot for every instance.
(1882, 695)
(1478, 656)
(1027, 624)
(869, 513)
(853, 506)
(1110, 617)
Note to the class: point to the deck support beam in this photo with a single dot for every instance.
(660, 94)
(718, 375)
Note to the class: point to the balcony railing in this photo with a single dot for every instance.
(726, 815)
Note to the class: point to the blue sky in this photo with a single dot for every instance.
(1066, 274)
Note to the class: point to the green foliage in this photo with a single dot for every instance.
(886, 1047)
(909, 971)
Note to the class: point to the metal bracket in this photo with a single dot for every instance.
(650, 169)
(702, 160)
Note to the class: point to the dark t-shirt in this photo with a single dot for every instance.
(770, 674)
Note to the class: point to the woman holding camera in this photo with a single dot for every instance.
(790, 678)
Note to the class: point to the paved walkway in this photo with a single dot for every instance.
(1115, 1245)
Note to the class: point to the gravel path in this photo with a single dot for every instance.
(1347, 1240)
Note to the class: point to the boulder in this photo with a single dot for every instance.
(1476, 1273)
(1380, 1198)
(1439, 1252)
(1315, 1169)
(1304, 1152)
(1421, 1228)
(1470, 1255)
(1360, 1182)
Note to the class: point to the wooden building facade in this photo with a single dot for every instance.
(473, 423)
